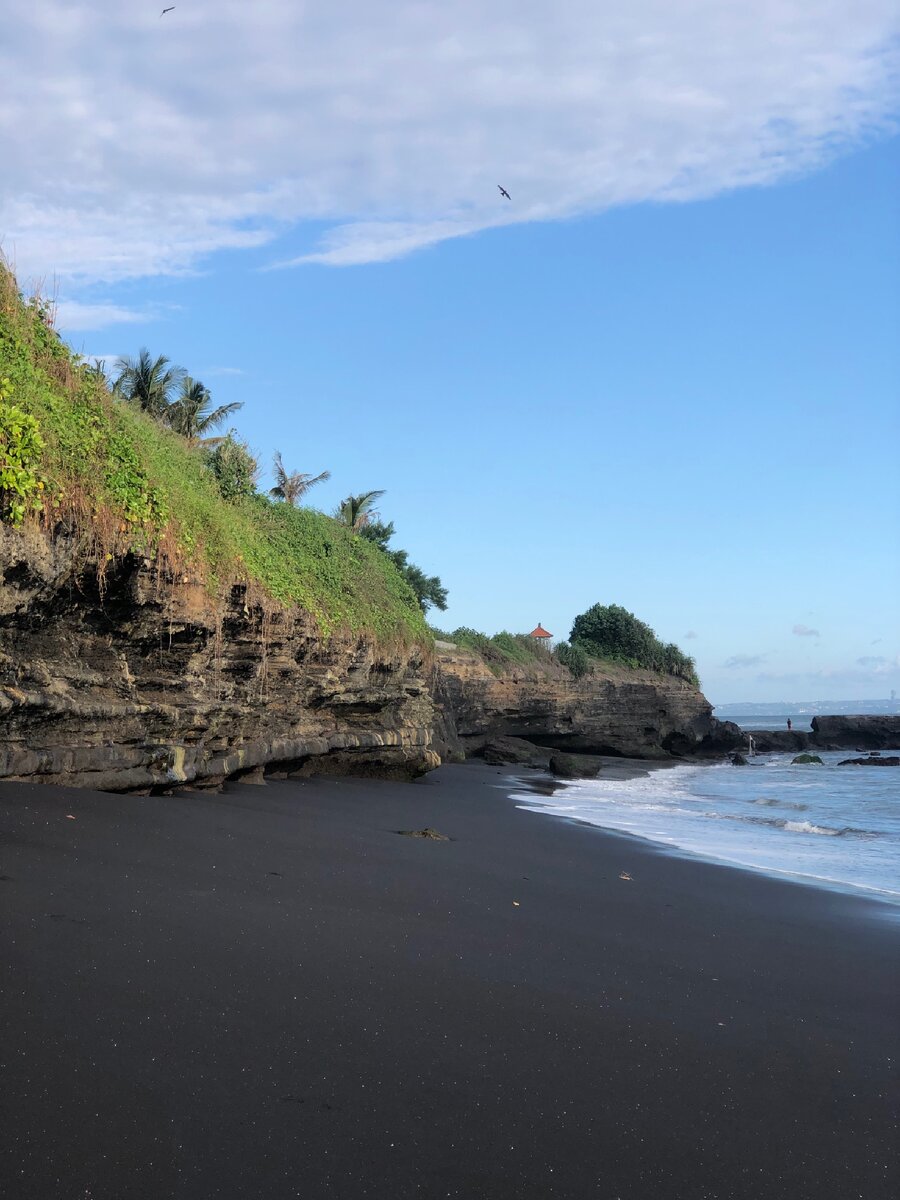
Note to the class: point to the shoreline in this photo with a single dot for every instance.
(269, 992)
(887, 903)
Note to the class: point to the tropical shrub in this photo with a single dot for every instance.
(575, 657)
(234, 467)
(20, 452)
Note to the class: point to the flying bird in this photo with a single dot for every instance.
(504, 192)
(165, 10)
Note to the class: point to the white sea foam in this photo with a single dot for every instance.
(808, 827)
(849, 835)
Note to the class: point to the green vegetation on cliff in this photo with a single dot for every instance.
(106, 470)
(501, 650)
(604, 634)
(610, 632)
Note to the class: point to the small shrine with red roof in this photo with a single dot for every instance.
(540, 635)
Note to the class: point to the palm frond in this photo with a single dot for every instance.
(292, 486)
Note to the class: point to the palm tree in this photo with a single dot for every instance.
(356, 511)
(292, 486)
(192, 414)
(96, 371)
(147, 382)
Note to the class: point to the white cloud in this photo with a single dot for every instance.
(221, 371)
(134, 146)
(805, 631)
(691, 634)
(73, 317)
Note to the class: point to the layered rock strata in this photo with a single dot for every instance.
(635, 714)
(134, 681)
(124, 679)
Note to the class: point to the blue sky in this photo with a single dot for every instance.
(665, 375)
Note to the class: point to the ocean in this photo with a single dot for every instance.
(802, 721)
(828, 826)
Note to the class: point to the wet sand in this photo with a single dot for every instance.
(269, 993)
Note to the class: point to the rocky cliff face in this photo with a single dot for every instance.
(131, 681)
(632, 713)
(135, 681)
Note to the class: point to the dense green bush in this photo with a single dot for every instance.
(21, 445)
(574, 657)
(234, 467)
(611, 632)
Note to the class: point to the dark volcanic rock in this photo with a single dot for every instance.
(873, 760)
(827, 733)
(878, 732)
(802, 759)
(574, 766)
(513, 750)
(129, 679)
(635, 714)
(138, 681)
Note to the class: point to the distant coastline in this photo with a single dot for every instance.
(748, 714)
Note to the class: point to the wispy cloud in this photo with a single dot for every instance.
(227, 123)
(739, 662)
(690, 635)
(220, 371)
(805, 631)
(72, 316)
(872, 660)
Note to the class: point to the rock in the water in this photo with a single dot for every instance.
(873, 760)
(876, 732)
(738, 760)
(431, 834)
(574, 766)
(807, 758)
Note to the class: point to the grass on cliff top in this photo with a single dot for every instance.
(504, 651)
(130, 486)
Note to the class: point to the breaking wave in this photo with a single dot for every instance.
(830, 824)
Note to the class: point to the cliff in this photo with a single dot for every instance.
(135, 680)
(611, 711)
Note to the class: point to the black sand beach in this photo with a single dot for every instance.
(270, 994)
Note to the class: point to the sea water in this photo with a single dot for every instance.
(828, 825)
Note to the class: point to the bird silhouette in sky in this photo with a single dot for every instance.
(504, 192)
(165, 10)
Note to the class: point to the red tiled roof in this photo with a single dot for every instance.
(540, 632)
